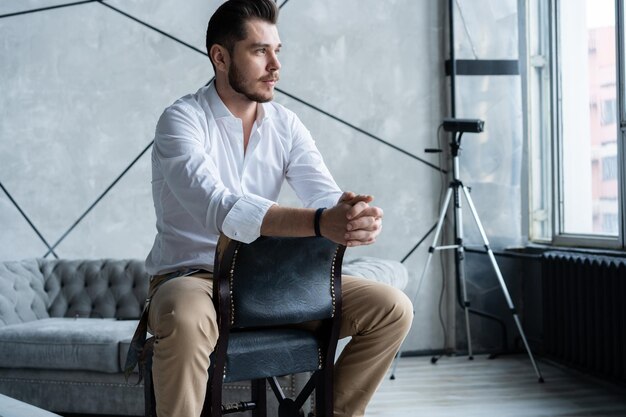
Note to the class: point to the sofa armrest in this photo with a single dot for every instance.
(389, 272)
(22, 294)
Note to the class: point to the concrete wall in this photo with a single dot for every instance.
(83, 86)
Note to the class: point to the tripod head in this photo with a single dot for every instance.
(459, 126)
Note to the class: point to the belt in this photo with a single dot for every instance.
(136, 354)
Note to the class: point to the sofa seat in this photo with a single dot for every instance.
(67, 343)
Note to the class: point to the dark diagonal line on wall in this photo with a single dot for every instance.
(141, 22)
(358, 129)
(43, 9)
(419, 243)
(82, 216)
(17, 206)
(285, 2)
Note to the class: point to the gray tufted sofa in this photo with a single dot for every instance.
(65, 327)
(64, 332)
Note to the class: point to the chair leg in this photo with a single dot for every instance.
(288, 407)
(324, 393)
(259, 397)
(213, 400)
(208, 397)
(148, 386)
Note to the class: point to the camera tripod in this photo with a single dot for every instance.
(455, 189)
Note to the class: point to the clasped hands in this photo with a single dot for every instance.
(352, 221)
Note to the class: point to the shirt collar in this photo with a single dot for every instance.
(219, 109)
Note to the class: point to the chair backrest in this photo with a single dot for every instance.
(278, 281)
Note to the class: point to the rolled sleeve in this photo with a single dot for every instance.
(243, 221)
(329, 200)
(307, 173)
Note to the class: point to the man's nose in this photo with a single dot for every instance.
(274, 63)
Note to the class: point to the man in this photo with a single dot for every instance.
(219, 159)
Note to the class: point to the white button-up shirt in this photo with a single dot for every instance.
(203, 183)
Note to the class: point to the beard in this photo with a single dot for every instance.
(238, 83)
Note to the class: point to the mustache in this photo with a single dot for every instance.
(272, 78)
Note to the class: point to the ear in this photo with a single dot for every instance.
(220, 57)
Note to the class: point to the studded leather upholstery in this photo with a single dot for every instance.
(264, 290)
(266, 353)
(276, 282)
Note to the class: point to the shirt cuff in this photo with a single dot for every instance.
(243, 221)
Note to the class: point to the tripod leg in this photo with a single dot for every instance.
(460, 266)
(431, 250)
(466, 304)
(507, 296)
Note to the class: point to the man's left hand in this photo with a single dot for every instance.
(365, 220)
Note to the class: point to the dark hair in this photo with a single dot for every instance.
(227, 25)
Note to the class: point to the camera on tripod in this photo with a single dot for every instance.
(458, 126)
(463, 125)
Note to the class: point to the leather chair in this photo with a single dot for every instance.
(263, 292)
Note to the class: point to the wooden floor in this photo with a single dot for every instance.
(503, 387)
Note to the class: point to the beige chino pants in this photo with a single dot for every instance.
(183, 319)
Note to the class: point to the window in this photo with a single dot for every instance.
(575, 102)
(609, 110)
(609, 168)
(610, 221)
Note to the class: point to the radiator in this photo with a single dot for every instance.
(584, 312)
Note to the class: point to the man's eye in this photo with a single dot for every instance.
(260, 51)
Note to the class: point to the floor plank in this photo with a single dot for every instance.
(503, 387)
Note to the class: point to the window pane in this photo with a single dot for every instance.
(589, 117)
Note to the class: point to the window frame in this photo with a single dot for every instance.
(538, 118)
(551, 115)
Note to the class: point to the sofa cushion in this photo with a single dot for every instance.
(22, 295)
(65, 343)
(389, 272)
